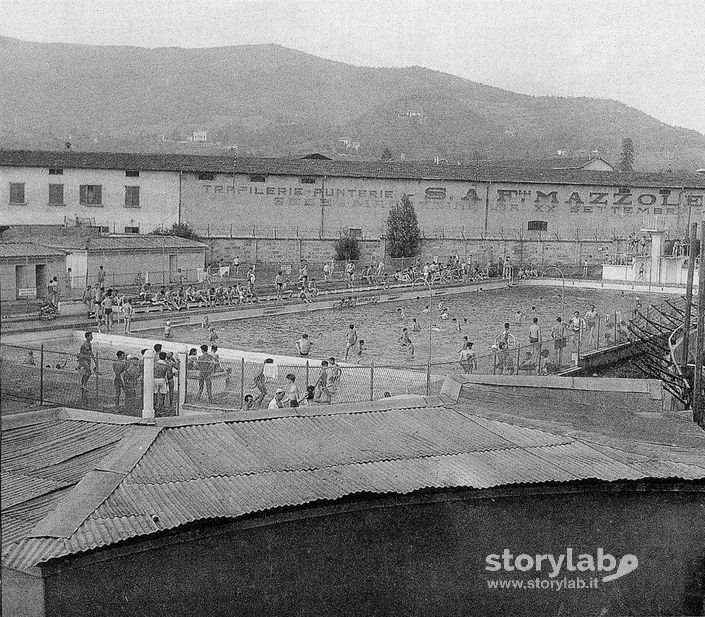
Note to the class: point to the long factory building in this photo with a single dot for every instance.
(136, 193)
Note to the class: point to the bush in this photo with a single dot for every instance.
(183, 230)
(347, 248)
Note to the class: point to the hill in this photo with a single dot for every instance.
(271, 101)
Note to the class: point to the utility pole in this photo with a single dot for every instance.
(698, 399)
(689, 294)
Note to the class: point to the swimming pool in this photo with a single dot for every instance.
(479, 314)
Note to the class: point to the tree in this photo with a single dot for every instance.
(403, 234)
(347, 248)
(387, 154)
(626, 163)
(183, 230)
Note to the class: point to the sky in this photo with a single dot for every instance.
(649, 54)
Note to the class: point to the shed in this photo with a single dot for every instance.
(129, 258)
(399, 507)
(27, 268)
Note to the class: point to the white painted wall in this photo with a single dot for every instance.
(159, 198)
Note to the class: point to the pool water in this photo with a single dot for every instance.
(481, 315)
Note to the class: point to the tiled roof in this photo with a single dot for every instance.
(495, 172)
(141, 242)
(27, 249)
(175, 471)
(126, 242)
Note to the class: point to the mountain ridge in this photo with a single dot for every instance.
(272, 100)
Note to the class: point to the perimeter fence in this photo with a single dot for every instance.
(43, 376)
(34, 374)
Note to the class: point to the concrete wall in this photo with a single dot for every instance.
(159, 198)
(601, 395)
(22, 594)
(527, 251)
(332, 204)
(415, 555)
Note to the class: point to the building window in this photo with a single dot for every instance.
(307, 180)
(91, 195)
(56, 171)
(56, 194)
(132, 173)
(132, 196)
(537, 226)
(104, 230)
(206, 176)
(17, 193)
(132, 230)
(257, 178)
(355, 232)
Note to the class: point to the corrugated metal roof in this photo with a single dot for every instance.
(226, 468)
(495, 172)
(14, 250)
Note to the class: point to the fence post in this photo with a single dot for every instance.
(242, 380)
(538, 361)
(41, 374)
(372, 380)
(518, 359)
(428, 378)
(599, 321)
(615, 327)
(580, 341)
(148, 380)
(183, 361)
(307, 373)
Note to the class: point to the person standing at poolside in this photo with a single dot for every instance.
(321, 393)
(101, 277)
(558, 334)
(535, 334)
(260, 382)
(206, 366)
(576, 325)
(86, 358)
(119, 366)
(350, 340)
(128, 312)
(236, 265)
(279, 285)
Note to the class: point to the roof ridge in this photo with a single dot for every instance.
(96, 486)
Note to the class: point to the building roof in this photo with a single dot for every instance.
(21, 250)
(127, 242)
(480, 172)
(75, 481)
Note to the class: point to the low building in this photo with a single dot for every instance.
(26, 269)
(128, 259)
(403, 506)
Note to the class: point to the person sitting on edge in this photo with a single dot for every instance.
(303, 345)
